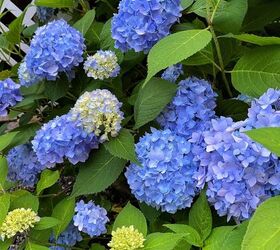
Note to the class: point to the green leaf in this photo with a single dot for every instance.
(152, 99)
(122, 146)
(254, 39)
(204, 56)
(15, 28)
(98, 173)
(4, 206)
(236, 109)
(175, 48)
(46, 222)
(57, 89)
(97, 246)
(24, 199)
(64, 212)
(131, 216)
(162, 241)
(150, 213)
(217, 237)
(268, 137)
(30, 30)
(48, 178)
(3, 171)
(85, 22)
(253, 76)
(200, 217)
(5, 245)
(227, 15)
(6, 139)
(186, 3)
(263, 231)
(33, 246)
(192, 236)
(261, 13)
(56, 3)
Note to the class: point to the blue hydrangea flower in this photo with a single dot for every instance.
(25, 77)
(68, 238)
(240, 173)
(264, 111)
(44, 14)
(245, 98)
(165, 178)
(9, 95)
(56, 47)
(90, 218)
(24, 166)
(99, 112)
(172, 73)
(102, 65)
(62, 138)
(139, 24)
(191, 109)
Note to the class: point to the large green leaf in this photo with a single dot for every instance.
(162, 241)
(269, 137)
(47, 179)
(204, 56)
(217, 237)
(257, 71)
(57, 89)
(6, 139)
(131, 216)
(258, 40)
(4, 206)
(64, 212)
(122, 146)
(192, 236)
(227, 15)
(24, 199)
(33, 246)
(46, 222)
(186, 3)
(56, 3)
(15, 29)
(263, 231)
(85, 22)
(5, 245)
(200, 217)
(152, 99)
(3, 171)
(98, 173)
(175, 48)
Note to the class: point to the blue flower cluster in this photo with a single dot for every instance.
(172, 73)
(139, 24)
(240, 173)
(68, 238)
(102, 65)
(24, 166)
(191, 109)
(63, 138)
(56, 47)
(44, 14)
(9, 95)
(90, 218)
(165, 179)
(25, 78)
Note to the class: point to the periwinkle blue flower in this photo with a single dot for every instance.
(172, 73)
(44, 14)
(191, 109)
(139, 24)
(245, 98)
(265, 110)
(26, 78)
(165, 180)
(240, 173)
(23, 165)
(69, 238)
(62, 138)
(90, 218)
(102, 65)
(55, 48)
(9, 95)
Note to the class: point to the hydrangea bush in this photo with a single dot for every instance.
(141, 124)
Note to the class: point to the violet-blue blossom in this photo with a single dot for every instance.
(44, 14)
(191, 109)
(9, 95)
(25, 77)
(139, 24)
(172, 73)
(165, 180)
(23, 165)
(62, 138)
(55, 48)
(90, 218)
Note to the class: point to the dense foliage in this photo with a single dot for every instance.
(141, 124)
